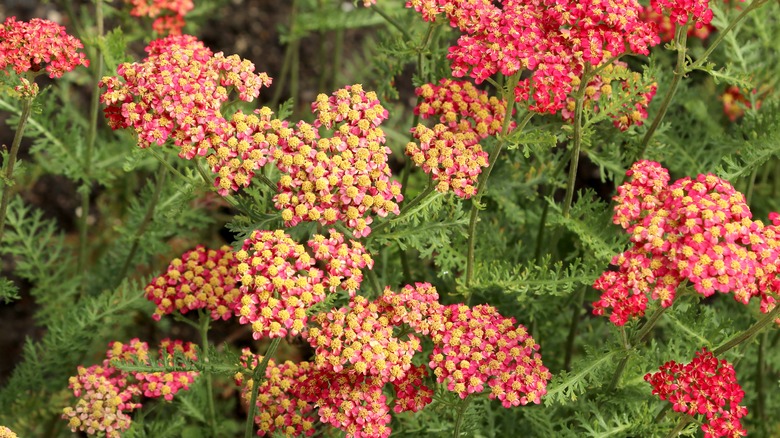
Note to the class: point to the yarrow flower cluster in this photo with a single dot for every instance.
(626, 108)
(278, 410)
(107, 395)
(168, 14)
(31, 46)
(343, 177)
(280, 282)
(705, 386)
(554, 39)
(200, 279)
(699, 230)
(666, 27)
(176, 93)
(681, 12)
(450, 151)
(7, 433)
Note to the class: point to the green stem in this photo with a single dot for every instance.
(8, 183)
(749, 333)
(205, 321)
(760, 381)
(575, 152)
(428, 190)
(483, 178)
(460, 415)
(575, 320)
(638, 339)
(681, 39)
(662, 414)
(90, 144)
(392, 22)
(680, 426)
(257, 379)
(147, 219)
(722, 34)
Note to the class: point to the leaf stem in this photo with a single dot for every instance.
(8, 183)
(749, 333)
(575, 152)
(638, 339)
(460, 415)
(392, 22)
(424, 194)
(90, 144)
(147, 219)
(575, 320)
(257, 378)
(680, 426)
(680, 41)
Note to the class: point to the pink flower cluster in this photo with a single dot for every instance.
(705, 386)
(31, 46)
(176, 93)
(357, 353)
(450, 152)
(106, 394)
(699, 230)
(666, 27)
(735, 103)
(343, 177)
(600, 96)
(7, 433)
(553, 38)
(168, 14)
(681, 11)
(278, 411)
(279, 281)
(200, 279)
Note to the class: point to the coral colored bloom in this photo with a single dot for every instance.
(168, 14)
(31, 46)
(278, 411)
(705, 386)
(176, 93)
(666, 27)
(696, 230)
(200, 279)
(450, 152)
(340, 177)
(107, 395)
(555, 39)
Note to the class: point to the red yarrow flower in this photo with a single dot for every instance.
(168, 14)
(35, 45)
(705, 386)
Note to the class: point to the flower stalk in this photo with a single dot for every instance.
(8, 183)
(257, 378)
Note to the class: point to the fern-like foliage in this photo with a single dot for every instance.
(757, 144)
(593, 370)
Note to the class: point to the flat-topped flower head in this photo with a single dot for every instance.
(278, 284)
(35, 45)
(278, 411)
(107, 395)
(696, 230)
(554, 39)
(342, 175)
(176, 94)
(361, 338)
(450, 152)
(705, 386)
(168, 14)
(200, 279)
(344, 261)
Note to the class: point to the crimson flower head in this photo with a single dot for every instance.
(39, 44)
(705, 386)
(681, 11)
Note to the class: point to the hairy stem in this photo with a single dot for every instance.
(94, 110)
(205, 321)
(460, 415)
(680, 41)
(257, 378)
(749, 333)
(509, 97)
(147, 219)
(575, 320)
(8, 183)
(577, 140)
